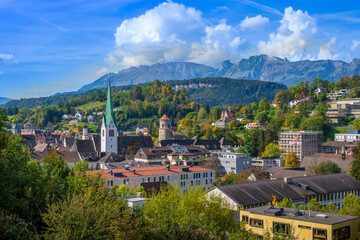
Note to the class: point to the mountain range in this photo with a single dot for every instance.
(4, 100)
(260, 67)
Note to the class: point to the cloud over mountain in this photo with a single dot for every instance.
(292, 37)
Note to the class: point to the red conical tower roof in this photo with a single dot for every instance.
(165, 117)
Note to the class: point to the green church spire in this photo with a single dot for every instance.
(109, 109)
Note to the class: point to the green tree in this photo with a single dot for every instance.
(292, 160)
(355, 165)
(351, 205)
(331, 208)
(91, 215)
(271, 150)
(327, 167)
(175, 214)
(356, 124)
(202, 114)
(314, 205)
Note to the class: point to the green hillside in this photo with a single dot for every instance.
(226, 91)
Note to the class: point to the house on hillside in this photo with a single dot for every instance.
(79, 115)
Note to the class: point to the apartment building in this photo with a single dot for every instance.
(303, 143)
(342, 109)
(300, 223)
(233, 162)
(182, 176)
(338, 94)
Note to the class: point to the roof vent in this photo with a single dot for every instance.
(184, 169)
(133, 171)
(321, 215)
(287, 180)
(168, 167)
(117, 174)
(304, 186)
(274, 211)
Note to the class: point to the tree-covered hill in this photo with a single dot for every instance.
(212, 91)
(226, 91)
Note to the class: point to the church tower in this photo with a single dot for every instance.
(165, 131)
(109, 138)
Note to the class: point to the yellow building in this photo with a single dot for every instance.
(303, 224)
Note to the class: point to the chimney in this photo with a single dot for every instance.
(168, 167)
(133, 171)
(111, 172)
(287, 180)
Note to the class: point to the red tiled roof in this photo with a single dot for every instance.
(165, 117)
(147, 171)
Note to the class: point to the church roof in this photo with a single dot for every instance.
(165, 117)
(109, 110)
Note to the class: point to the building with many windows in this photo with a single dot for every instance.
(303, 143)
(267, 162)
(233, 162)
(300, 190)
(350, 135)
(182, 176)
(302, 224)
(174, 154)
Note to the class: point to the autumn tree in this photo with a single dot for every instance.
(292, 160)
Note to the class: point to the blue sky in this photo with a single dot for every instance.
(57, 46)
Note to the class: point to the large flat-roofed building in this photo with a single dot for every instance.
(233, 162)
(300, 190)
(300, 223)
(182, 176)
(350, 135)
(303, 143)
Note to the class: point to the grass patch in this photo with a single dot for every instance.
(90, 105)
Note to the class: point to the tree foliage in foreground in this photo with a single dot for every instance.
(174, 214)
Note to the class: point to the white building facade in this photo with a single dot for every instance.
(233, 162)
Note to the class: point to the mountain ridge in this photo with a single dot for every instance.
(259, 67)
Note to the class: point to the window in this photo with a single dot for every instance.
(111, 133)
(319, 234)
(281, 228)
(304, 227)
(245, 219)
(256, 222)
(341, 233)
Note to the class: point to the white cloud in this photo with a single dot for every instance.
(253, 22)
(291, 38)
(101, 71)
(327, 52)
(355, 44)
(6, 57)
(173, 32)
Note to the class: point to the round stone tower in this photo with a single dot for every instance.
(165, 131)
